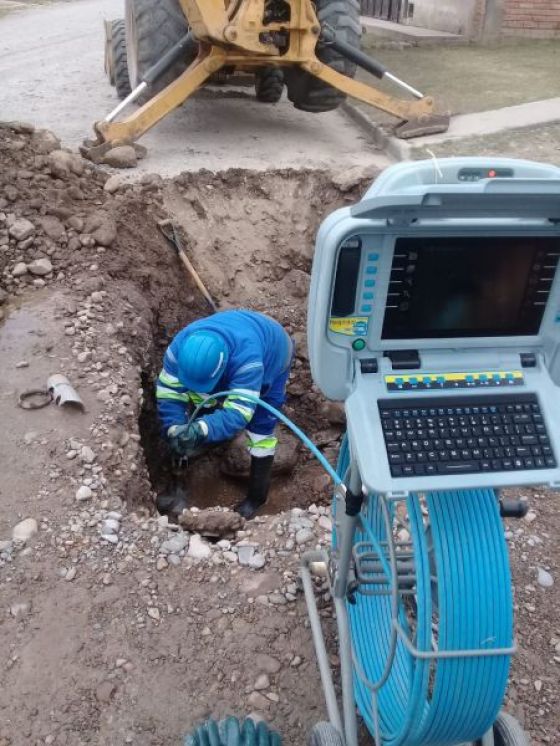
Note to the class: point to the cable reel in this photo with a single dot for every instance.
(432, 619)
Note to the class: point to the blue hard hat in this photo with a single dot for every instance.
(202, 361)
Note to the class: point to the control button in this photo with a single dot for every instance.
(371, 270)
(366, 309)
(399, 381)
(483, 377)
(369, 283)
(496, 376)
(373, 257)
(358, 344)
(427, 380)
(509, 376)
(368, 296)
(413, 381)
(440, 379)
(469, 379)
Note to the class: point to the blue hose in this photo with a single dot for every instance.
(431, 702)
(282, 417)
(446, 701)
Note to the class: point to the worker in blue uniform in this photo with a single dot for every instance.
(241, 350)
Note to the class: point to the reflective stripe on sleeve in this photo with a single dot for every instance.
(204, 399)
(247, 412)
(170, 381)
(163, 393)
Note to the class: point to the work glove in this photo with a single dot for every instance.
(185, 440)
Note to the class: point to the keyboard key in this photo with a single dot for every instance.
(459, 467)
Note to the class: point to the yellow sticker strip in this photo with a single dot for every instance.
(354, 326)
(485, 376)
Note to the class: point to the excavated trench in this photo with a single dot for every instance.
(249, 234)
(251, 237)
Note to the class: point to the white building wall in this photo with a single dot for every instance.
(454, 16)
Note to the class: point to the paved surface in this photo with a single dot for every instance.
(476, 127)
(403, 32)
(51, 67)
(537, 144)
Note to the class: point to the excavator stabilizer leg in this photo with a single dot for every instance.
(130, 129)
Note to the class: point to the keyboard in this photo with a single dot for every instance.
(464, 435)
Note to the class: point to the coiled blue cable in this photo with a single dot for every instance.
(426, 701)
(452, 700)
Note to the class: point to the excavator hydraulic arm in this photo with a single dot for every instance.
(233, 33)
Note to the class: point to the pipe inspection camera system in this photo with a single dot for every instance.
(434, 314)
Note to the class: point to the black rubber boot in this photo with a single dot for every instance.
(259, 483)
(172, 503)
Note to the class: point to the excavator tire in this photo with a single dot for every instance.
(121, 80)
(269, 84)
(151, 29)
(109, 63)
(309, 93)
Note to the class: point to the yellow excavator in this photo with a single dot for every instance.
(163, 51)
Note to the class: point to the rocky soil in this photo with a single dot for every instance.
(116, 627)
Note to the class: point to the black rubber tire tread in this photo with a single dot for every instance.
(269, 84)
(309, 93)
(118, 52)
(109, 62)
(152, 28)
(508, 732)
(324, 734)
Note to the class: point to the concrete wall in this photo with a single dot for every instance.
(455, 16)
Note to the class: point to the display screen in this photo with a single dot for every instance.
(469, 287)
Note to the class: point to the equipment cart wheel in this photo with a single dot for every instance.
(269, 84)
(508, 732)
(119, 66)
(324, 734)
(309, 93)
(152, 28)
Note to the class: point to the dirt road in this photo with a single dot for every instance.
(51, 67)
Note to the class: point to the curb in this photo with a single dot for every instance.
(392, 146)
